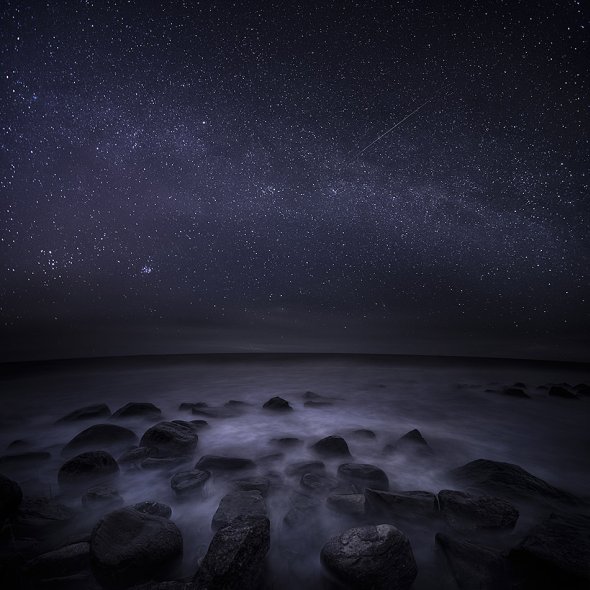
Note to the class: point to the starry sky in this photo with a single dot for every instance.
(188, 176)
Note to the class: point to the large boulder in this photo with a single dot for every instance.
(556, 553)
(87, 469)
(87, 413)
(128, 547)
(412, 443)
(234, 504)
(408, 505)
(331, 446)
(507, 479)
(363, 475)
(101, 437)
(371, 558)
(465, 511)
(10, 496)
(138, 410)
(170, 439)
(189, 483)
(220, 463)
(277, 404)
(235, 558)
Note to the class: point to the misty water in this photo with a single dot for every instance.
(458, 409)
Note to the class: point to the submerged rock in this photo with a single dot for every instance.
(236, 554)
(170, 439)
(10, 496)
(234, 504)
(277, 404)
(129, 547)
(138, 410)
(220, 463)
(411, 442)
(371, 557)
(86, 468)
(363, 475)
(401, 504)
(331, 446)
(87, 413)
(100, 437)
(188, 483)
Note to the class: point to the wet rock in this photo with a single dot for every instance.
(88, 468)
(507, 479)
(234, 504)
(22, 460)
(219, 412)
(100, 437)
(129, 547)
(515, 392)
(220, 463)
(236, 554)
(401, 504)
(41, 508)
(254, 483)
(153, 508)
(317, 404)
(277, 404)
(186, 423)
(363, 434)
(10, 496)
(287, 441)
(190, 405)
(557, 391)
(302, 510)
(65, 561)
(464, 511)
(102, 497)
(331, 446)
(200, 424)
(556, 554)
(87, 413)
(135, 456)
(170, 439)
(189, 483)
(363, 475)
(301, 467)
(474, 566)
(138, 410)
(353, 504)
(318, 483)
(412, 442)
(371, 557)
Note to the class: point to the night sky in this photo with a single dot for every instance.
(188, 177)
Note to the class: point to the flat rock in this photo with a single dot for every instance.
(301, 467)
(413, 443)
(407, 505)
(236, 554)
(153, 508)
(102, 497)
(353, 504)
(170, 439)
(234, 504)
(88, 468)
(138, 410)
(189, 483)
(129, 547)
(363, 475)
(222, 463)
(254, 483)
(87, 413)
(557, 391)
(65, 561)
(277, 404)
(371, 557)
(465, 511)
(11, 496)
(109, 437)
(331, 446)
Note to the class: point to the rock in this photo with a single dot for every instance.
(412, 442)
(310, 395)
(235, 403)
(353, 504)
(363, 475)
(18, 445)
(302, 467)
(101, 437)
(138, 410)
(254, 483)
(153, 508)
(302, 510)
(65, 561)
(556, 553)
(287, 441)
(88, 468)
(87, 413)
(129, 547)
(331, 446)
(520, 385)
(318, 483)
(236, 504)
(41, 508)
(186, 423)
(189, 482)
(507, 479)
(169, 585)
(135, 456)
(190, 405)
(582, 388)
(557, 391)
(314, 404)
(200, 424)
(515, 392)
(475, 567)
(219, 412)
(464, 511)
(236, 554)
(277, 404)
(407, 505)
(219, 463)
(170, 439)
(371, 557)
(102, 497)
(363, 433)
(163, 463)
(10, 496)
(22, 460)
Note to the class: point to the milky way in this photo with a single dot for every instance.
(185, 168)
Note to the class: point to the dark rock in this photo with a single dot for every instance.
(168, 585)
(189, 482)
(277, 404)
(163, 463)
(287, 441)
(41, 508)
(153, 508)
(254, 483)
(331, 446)
(464, 511)
(353, 504)
(412, 442)
(18, 445)
(507, 479)
(302, 467)
(65, 561)
(314, 404)
(87, 413)
(236, 554)
(10, 496)
(102, 497)
(186, 423)
(371, 557)
(21, 460)
(557, 391)
(363, 475)
(191, 405)
(236, 504)
(556, 554)
(401, 504)
(138, 410)
(219, 412)
(363, 433)
(520, 385)
(135, 456)
(515, 392)
(88, 468)
(170, 439)
(475, 567)
(310, 395)
(582, 388)
(302, 510)
(101, 437)
(219, 463)
(318, 483)
(129, 547)
(200, 424)
(235, 403)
